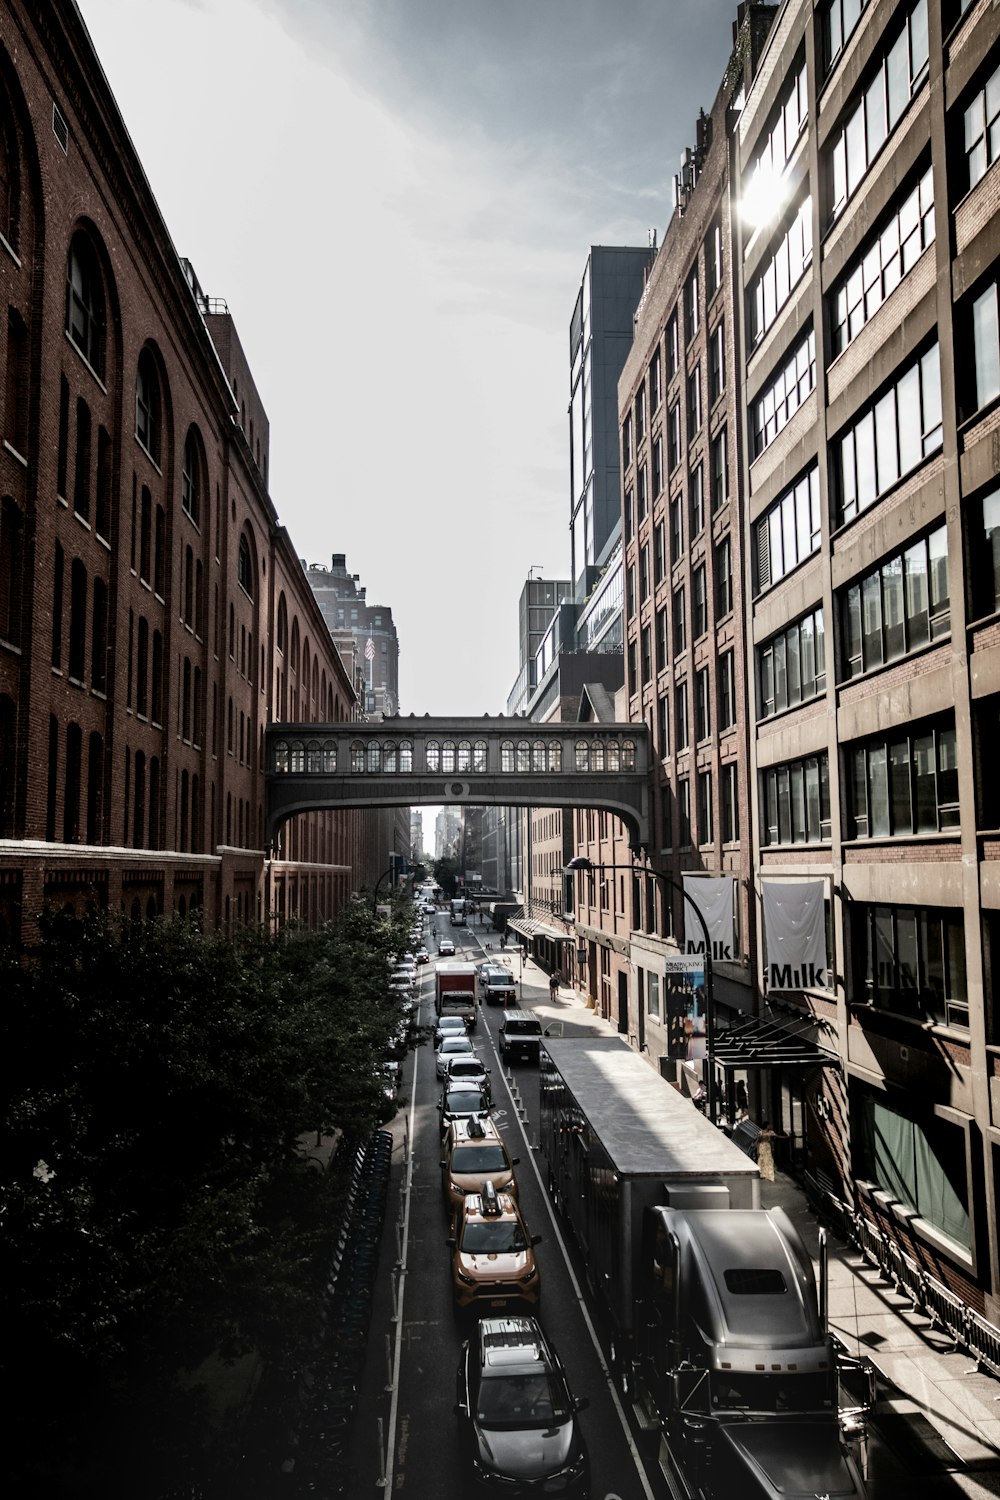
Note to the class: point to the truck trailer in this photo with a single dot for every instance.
(458, 909)
(456, 991)
(715, 1329)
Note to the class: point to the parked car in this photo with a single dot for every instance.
(462, 1103)
(452, 1046)
(493, 1256)
(517, 1418)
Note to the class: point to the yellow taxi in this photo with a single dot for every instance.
(474, 1153)
(493, 1256)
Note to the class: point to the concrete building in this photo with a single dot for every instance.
(153, 614)
(370, 627)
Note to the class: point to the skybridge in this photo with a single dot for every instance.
(416, 762)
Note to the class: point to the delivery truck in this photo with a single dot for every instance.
(714, 1325)
(456, 991)
(458, 908)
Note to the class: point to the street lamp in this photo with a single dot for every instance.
(386, 875)
(581, 862)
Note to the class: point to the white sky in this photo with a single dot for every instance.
(396, 198)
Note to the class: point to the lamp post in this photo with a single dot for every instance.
(581, 862)
(386, 875)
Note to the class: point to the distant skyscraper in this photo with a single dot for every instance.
(370, 626)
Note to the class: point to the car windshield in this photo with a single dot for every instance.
(466, 1067)
(478, 1159)
(493, 1237)
(535, 1400)
(456, 1044)
(772, 1393)
(465, 1102)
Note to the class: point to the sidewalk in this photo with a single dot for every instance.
(937, 1414)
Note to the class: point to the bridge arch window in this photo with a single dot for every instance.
(523, 756)
(506, 756)
(389, 758)
(298, 756)
(374, 756)
(479, 755)
(329, 755)
(433, 755)
(448, 756)
(538, 756)
(464, 762)
(555, 755)
(357, 756)
(314, 762)
(628, 755)
(406, 756)
(614, 755)
(597, 755)
(281, 755)
(582, 759)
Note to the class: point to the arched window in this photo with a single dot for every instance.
(11, 570)
(506, 757)
(433, 755)
(479, 756)
(314, 762)
(9, 183)
(148, 415)
(448, 756)
(71, 790)
(555, 755)
(357, 756)
(582, 757)
(329, 756)
(538, 755)
(191, 478)
(298, 757)
(614, 755)
(85, 306)
(280, 753)
(95, 789)
(99, 637)
(184, 810)
(628, 755)
(188, 586)
(597, 755)
(406, 756)
(374, 756)
(523, 757)
(282, 625)
(244, 567)
(390, 760)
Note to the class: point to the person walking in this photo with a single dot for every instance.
(553, 986)
(765, 1151)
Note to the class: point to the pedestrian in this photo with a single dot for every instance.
(765, 1151)
(742, 1103)
(553, 986)
(503, 941)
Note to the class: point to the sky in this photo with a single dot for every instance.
(396, 199)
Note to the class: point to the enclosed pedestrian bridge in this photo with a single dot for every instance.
(416, 762)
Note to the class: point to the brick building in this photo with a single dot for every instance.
(153, 614)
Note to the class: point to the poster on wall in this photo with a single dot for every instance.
(795, 935)
(713, 896)
(684, 1009)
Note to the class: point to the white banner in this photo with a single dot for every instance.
(713, 896)
(795, 935)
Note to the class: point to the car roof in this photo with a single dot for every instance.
(462, 1132)
(510, 1343)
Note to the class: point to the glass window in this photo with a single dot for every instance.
(986, 340)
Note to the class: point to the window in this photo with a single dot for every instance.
(659, 553)
(676, 529)
(674, 436)
(683, 813)
(81, 469)
(696, 496)
(627, 440)
(891, 438)
(643, 573)
(661, 639)
(904, 784)
(795, 801)
(781, 399)
(641, 492)
(911, 960)
(694, 402)
(681, 715)
(85, 306)
(99, 637)
(719, 470)
(727, 690)
(191, 480)
(691, 306)
(646, 654)
(900, 72)
(142, 670)
(778, 276)
(699, 603)
(655, 382)
(838, 22)
(629, 592)
(791, 666)
(717, 363)
(663, 727)
(77, 620)
(882, 262)
(702, 705)
(730, 803)
(640, 415)
(982, 129)
(630, 663)
(704, 807)
(723, 578)
(657, 452)
(680, 638)
(983, 553)
(921, 1163)
(986, 342)
(629, 509)
(147, 405)
(788, 532)
(901, 605)
(673, 346)
(244, 567)
(15, 415)
(713, 259)
(11, 572)
(762, 184)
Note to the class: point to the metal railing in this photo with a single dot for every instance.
(928, 1295)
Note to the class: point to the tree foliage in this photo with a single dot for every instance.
(157, 1205)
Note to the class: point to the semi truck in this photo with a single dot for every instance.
(456, 991)
(710, 1300)
(458, 908)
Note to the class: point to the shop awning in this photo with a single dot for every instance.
(530, 927)
(770, 1042)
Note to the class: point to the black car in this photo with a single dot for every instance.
(517, 1419)
(462, 1103)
